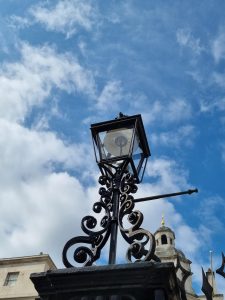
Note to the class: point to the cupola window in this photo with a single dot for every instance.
(163, 239)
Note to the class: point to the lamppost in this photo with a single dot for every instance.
(121, 151)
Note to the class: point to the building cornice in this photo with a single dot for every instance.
(28, 260)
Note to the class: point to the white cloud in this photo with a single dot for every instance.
(186, 39)
(209, 211)
(174, 111)
(218, 47)
(219, 79)
(40, 202)
(27, 153)
(218, 104)
(220, 284)
(29, 82)
(83, 48)
(4, 47)
(66, 16)
(17, 22)
(40, 215)
(182, 136)
(186, 233)
(167, 174)
(196, 76)
(41, 120)
(110, 96)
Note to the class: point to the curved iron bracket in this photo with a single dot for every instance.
(116, 179)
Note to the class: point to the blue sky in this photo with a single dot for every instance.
(67, 64)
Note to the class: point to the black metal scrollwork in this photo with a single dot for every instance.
(137, 237)
(113, 178)
(96, 239)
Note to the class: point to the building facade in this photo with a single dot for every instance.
(167, 252)
(15, 273)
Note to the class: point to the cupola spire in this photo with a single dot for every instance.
(163, 220)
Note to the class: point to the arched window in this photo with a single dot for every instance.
(163, 239)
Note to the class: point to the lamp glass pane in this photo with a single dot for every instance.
(116, 143)
(137, 152)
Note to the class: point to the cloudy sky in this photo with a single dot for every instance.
(67, 64)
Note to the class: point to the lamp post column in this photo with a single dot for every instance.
(114, 225)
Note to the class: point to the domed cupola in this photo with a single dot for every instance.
(166, 251)
(165, 238)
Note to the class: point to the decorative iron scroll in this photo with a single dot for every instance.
(113, 178)
(221, 270)
(96, 239)
(185, 275)
(137, 237)
(207, 289)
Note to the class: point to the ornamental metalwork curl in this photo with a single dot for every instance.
(116, 202)
(117, 186)
(137, 237)
(96, 239)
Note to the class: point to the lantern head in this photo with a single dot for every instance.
(122, 140)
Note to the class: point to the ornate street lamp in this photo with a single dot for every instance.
(121, 151)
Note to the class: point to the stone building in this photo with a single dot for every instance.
(15, 273)
(167, 252)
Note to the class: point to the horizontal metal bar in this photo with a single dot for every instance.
(189, 192)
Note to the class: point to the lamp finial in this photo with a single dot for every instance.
(121, 115)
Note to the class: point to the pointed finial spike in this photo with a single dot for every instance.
(163, 220)
(121, 115)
